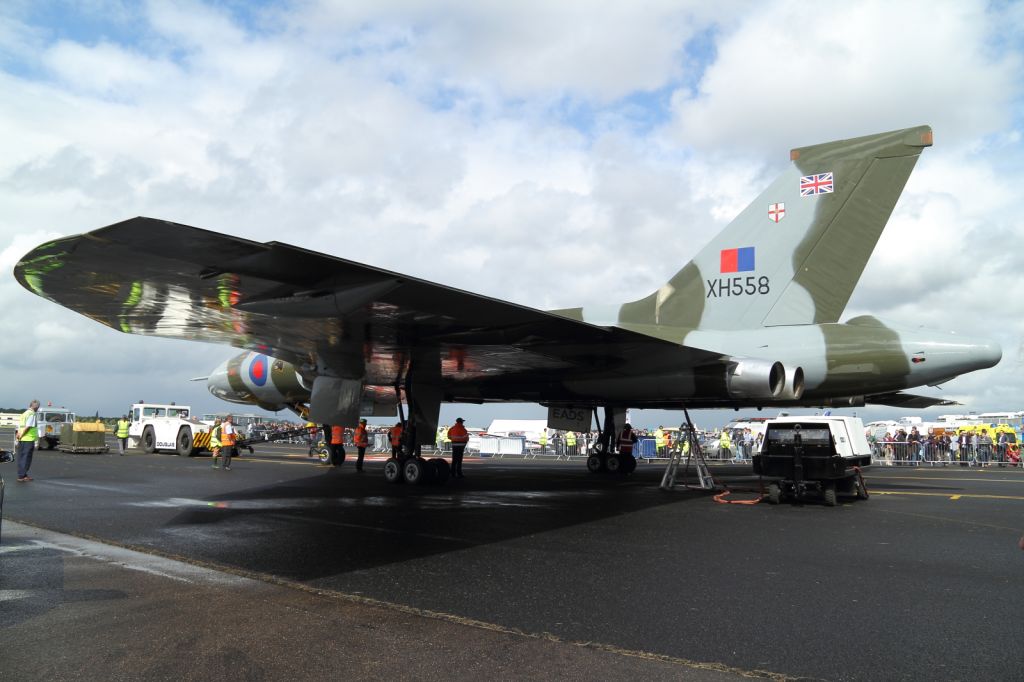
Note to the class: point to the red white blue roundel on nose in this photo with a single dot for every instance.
(259, 368)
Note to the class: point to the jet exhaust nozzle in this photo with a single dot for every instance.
(753, 378)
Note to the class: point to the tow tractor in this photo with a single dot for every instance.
(50, 421)
(814, 456)
(171, 427)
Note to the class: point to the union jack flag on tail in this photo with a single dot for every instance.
(816, 184)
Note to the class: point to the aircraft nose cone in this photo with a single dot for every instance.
(989, 354)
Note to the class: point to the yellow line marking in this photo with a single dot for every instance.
(427, 613)
(952, 497)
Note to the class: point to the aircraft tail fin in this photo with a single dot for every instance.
(795, 254)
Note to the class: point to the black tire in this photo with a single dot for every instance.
(615, 464)
(184, 442)
(148, 440)
(414, 471)
(595, 464)
(444, 470)
(430, 471)
(829, 493)
(774, 493)
(46, 443)
(393, 471)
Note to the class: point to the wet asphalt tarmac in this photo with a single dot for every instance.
(922, 581)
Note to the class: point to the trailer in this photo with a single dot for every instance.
(814, 456)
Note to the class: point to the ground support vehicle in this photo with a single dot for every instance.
(49, 423)
(166, 428)
(814, 456)
(83, 438)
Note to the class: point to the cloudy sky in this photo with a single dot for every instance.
(513, 149)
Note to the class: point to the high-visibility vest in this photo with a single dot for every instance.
(458, 434)
(122, 428)
(659, 438)
(444, 436)
(570, 439)
(337, 435)
(227, 434)
(543, 440)
(360, 438)
(724, 441)
(27, 426)
(215, 437)
(626, 442)
(396, 436)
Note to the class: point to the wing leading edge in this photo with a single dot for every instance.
(153, 277)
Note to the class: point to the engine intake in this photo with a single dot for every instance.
(759, 379)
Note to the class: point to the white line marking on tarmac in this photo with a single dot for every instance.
(12, 595)
(118, 556)
(90, 486)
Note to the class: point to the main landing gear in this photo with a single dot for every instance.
(414, 468)
(602, 459)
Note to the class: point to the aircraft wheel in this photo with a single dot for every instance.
(415, 470)
(595, 464)
(615, 464)
(774, 493)
(860, 489)
(393, 471)
(830, 494)
(444, 471)
(184, 442)
(148, 440)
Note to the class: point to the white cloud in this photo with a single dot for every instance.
(791, 76)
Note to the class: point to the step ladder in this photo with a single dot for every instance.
(704, 478)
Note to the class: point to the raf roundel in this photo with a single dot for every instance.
(258, 370)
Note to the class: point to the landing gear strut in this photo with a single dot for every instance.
(410, 466)
(603, 458)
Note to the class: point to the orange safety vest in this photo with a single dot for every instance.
(360, 438)
(337, 433)
(626, 442)
(227, 439)
(396, 436)
(458, 434)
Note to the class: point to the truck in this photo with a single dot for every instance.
(49, 422)
(807, 456)
(167, 428)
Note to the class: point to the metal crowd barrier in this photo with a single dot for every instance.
(496, 446)
(901, 453)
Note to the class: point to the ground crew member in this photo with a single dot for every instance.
(337, 445)
(659, 441)
(395, 434)
(122, 433)
(570, 443)
(215, 441)
(26, 436)
(446, 442)
(542, 440)
(626, 440)
(459, 437)
(227, 442)
(724, 444)
(361, 440)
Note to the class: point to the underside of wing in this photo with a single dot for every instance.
(907, 400)
(153, 277)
